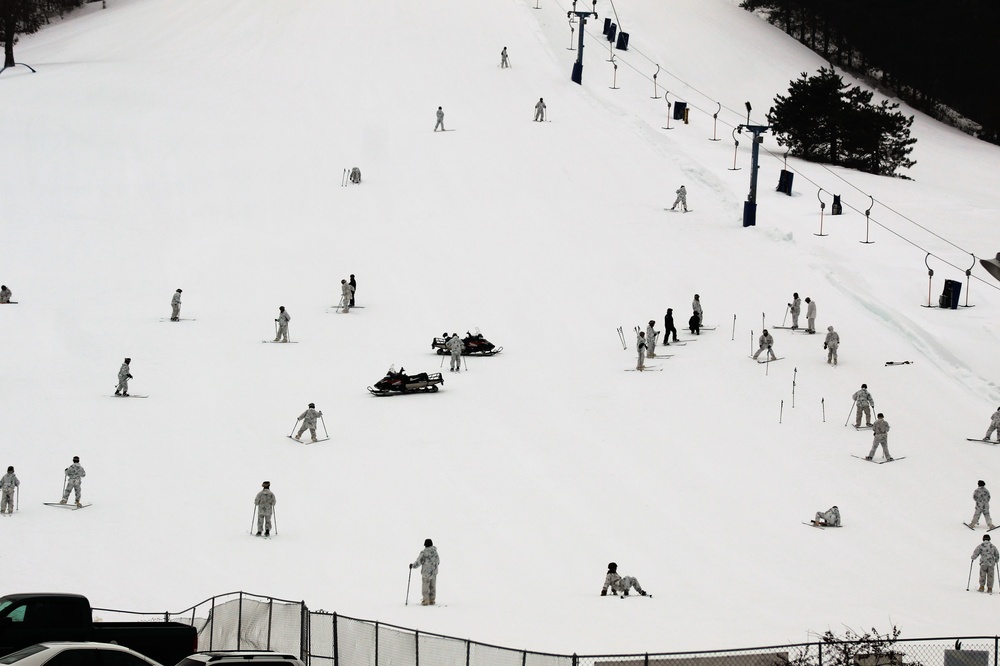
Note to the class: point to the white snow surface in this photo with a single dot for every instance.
(201, 144)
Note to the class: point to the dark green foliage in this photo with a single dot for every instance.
(23, 17)
(853, 649)
(822, 119)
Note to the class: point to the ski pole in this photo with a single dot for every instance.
(410, 574)
(763, 323)
(822, 402)
(466, 362)
(327, 432)
(795, 373)
(442, 361)
(969, 583)
(65, 489)
(786, 315)
(17, 499)
(292, 433)
(274, 519)
(781, 411)
(734, 330)
(275, 329)
(253, 518)
(849, 413)
(751, 343)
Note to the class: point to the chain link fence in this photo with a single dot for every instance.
(242, 621)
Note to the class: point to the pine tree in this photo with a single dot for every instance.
(18, 17)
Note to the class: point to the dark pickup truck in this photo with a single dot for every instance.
(26, 619)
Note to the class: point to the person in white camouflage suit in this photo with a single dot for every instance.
(175, 306)
(620, 585)
(828, 518)
(308, 419)
(640, 348)
(795, 307)
(994, 426)
(455, 346)
(988, 556)
(265, 501)
(346, 295)
(123, 377)
(765, 342)
(682, 199)
(864, 400)
(283, 319)
(831, 344)
(810, 315)
(981, 496)
(5, 294)
(651, 335)
(8, 484)
(881, 430)
(74, 474)
(428, 561)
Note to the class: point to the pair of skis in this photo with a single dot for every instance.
(878, 462)
(71, 507)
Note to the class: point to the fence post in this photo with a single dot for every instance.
(336, 654)
(239, 620)
(996, 645)
(576, 660)
(645, 660)
(820, 646)
(416, 648)
(211, 628)
(270, 611)
(376, 644)
(468, 650)
(524, 658)
(305, 632)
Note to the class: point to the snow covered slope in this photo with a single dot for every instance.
(201, 145)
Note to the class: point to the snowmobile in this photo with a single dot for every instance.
(398, 383)
(472, 345)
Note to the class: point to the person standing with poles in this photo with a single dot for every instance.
(988, 556)
(651, 336)
(831, 344)
(309, 418)
(682, 199)
(123, 377)
(981, 497)
(864, 402)
(428, 561)
(766, 341)
(346, 294)
(265, 501)
(282, 321)
(175, 306)
(668, 327)
(455, 346)
(881, 430)
(74, 474)
(795, 307)
(696, 308)
(540, 111)
(8, 485)
(640, 348)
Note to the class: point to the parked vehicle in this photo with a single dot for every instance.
(84, 653)
(27, 619)
(401, 383)
(256, 658)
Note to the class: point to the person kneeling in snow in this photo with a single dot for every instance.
(828, 518)
(620, 584)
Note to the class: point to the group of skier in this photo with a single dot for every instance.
(646, 341)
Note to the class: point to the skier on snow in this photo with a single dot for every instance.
(308, 419)
(828, 518)
(994, 425)
(981, 496)
(830, 344)
(440, 122)
(504, 62)
(766, 341)
(651, 339)
(5, 294)
(619, 584)
(175, 306)
(74, 474)
(865, 402)
(696, 306)
(881, 430)
(428, 561)
(8, 484)
(682, 199)
(346, 294)
(668, 327)
(810, 315)
(354, 288)
(795, 307)
(123, 377)
(540, 110)
(265, 501)
(640, 348)
(694, 324)
(283, 319)
(455, 346)
(988, 556)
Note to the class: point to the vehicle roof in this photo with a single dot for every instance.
(25, 595)
(113, 646)
(214, 655)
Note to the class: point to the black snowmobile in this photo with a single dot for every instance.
(399, 383)
(472, 345)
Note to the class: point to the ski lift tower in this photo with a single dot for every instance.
(577, 75)
(750, 205)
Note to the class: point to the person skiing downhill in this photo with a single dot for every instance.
(865, 402)
(795, 307)
(828, 518)
(455, 346)
(74, 474)
(831, 344)
(540, 111)
(681, 199)
(504, 62)
(765, 341)
(123, 377)
(981, 497)
(346, 294)
(640, 348)
(283, 319)
(651, 339)
(994, 426)
(668, 327)
(175, 306)
(428, 561)
(988, 556)
(440, 120)
(8, 484)
(881, 430)
(308, 419)
(620, 585)
(265, 501)
(810, 315)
